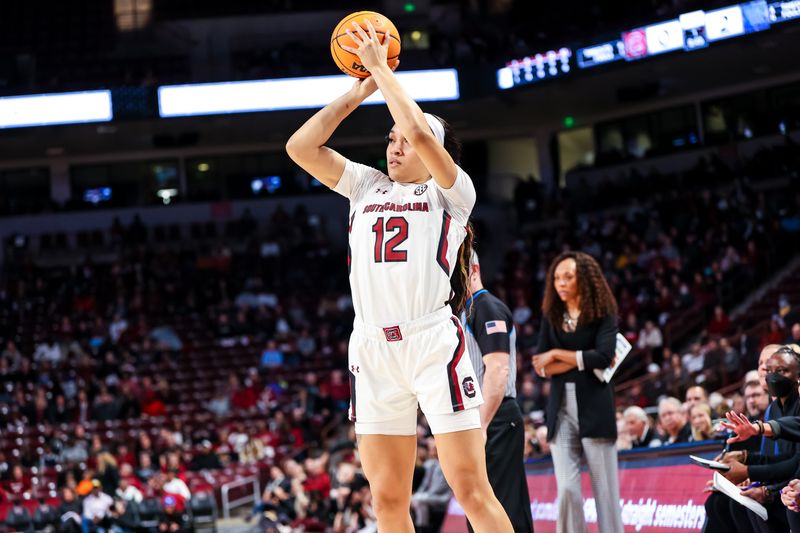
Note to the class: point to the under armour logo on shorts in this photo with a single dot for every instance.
(468, 384)
(393, 334)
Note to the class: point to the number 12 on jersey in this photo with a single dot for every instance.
(386, 252)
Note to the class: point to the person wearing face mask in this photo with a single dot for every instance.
(722, 513)
(779, 456)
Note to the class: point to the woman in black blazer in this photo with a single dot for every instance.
(577, 336)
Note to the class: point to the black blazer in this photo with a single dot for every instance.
(596, 416)
(780, 459)
(649, 436)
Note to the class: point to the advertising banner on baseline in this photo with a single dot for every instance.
(657, 495)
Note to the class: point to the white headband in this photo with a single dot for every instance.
(436, 127)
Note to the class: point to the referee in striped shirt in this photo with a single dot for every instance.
(491, 340)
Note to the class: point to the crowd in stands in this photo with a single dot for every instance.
(678, 260)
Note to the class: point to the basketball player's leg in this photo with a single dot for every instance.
(463, 460)
(384, 410)
(449, 396)
(388, 464)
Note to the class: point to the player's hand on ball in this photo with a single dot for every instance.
(364, 87)
(371, 49)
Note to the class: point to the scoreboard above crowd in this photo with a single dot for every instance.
(690, 31)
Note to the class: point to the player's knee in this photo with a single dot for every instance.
(390, 500)
(471, 498)
(470, 491)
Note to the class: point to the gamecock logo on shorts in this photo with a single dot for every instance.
(420, 190)
(468, 384)
(393, 334)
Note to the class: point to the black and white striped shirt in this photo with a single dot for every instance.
(490, 329)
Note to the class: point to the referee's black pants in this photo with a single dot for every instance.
(505, 446)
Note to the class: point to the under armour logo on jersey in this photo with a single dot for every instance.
(382, 190)
(469, 387)
(420, 190)
(355, 369)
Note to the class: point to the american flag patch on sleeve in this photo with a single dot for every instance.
(496, 326)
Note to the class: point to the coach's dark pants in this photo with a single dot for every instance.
(723, 515)
(794, 521)
(505, 464)
(778, 522)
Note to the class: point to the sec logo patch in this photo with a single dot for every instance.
(420, 190)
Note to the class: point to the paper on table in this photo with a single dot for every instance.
(735, 493)
(713, 465)
(622, 349)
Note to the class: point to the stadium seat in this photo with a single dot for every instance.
(149, 512)
(203, 508)
(19, 519)
(45, 515)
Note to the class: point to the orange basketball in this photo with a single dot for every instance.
(349, 62)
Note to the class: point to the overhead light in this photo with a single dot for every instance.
(51, 109)
(293, 93)
(203, 167)
(166, 195)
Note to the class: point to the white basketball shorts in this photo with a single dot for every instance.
(425, 362)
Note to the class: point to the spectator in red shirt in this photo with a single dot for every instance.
(19, 482)
(172, 519)
(773, 336)
(317, 478)
(151, 402)
(631, 329)
(269, 438)
(338, 389)
(125, 455)
(242, 398)
(720, 324)
(126, 473)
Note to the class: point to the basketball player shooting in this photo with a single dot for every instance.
(407, 238)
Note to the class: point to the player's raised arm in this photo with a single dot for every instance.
(307, 147)
(406, 113)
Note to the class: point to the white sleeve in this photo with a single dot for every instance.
(356, 180)
(579, 359)
(460, 198)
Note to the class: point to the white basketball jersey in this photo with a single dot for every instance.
(404, 241)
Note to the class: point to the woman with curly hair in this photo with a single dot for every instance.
(577, 336)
